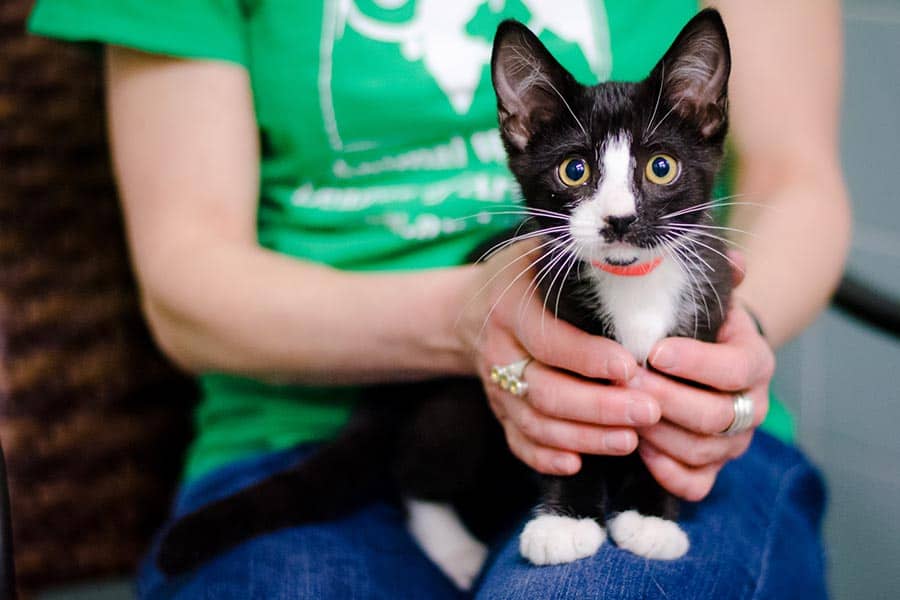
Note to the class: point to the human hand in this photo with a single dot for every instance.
(563, 414)
(684, 451)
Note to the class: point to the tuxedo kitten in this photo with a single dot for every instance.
(619, 176)
(617, 179)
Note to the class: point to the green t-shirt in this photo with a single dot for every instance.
(380, 151)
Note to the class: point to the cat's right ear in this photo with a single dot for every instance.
(694, 73)
(531, 86)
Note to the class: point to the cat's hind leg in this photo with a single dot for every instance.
(445, 540)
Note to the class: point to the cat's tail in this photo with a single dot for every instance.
(342, 476)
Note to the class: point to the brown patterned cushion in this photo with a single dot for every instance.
(93, 421)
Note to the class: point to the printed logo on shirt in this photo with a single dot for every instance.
(410, 113)
(433, 54)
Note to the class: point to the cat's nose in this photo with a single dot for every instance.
(617, 226)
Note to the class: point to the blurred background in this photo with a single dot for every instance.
(93, 420)
(841, 378)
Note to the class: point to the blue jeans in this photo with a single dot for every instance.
(755, 536)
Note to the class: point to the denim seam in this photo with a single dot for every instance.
(783, 486)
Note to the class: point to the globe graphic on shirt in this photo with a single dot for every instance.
(450, 41)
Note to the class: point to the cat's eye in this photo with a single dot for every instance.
(661, 169)
(574, 171)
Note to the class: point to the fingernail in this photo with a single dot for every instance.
(643, 412)
(620, 441)
(618, 369)
(565, 464)
(664, 358)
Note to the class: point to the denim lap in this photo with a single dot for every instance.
(367, 555)
(755, 536)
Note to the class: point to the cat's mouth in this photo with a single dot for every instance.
(618, 254)
(620, 262)
(626, 260)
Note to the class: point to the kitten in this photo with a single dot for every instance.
(627, 169)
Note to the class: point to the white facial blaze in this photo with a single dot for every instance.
(614, 197)
(615, 194)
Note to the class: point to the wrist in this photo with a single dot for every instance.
(436, 301)
(454, 339)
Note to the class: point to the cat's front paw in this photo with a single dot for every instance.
(553, 539)
(650, 537)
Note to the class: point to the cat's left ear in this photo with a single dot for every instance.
(695, 73)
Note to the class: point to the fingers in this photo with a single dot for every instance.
(557, 394)
(701, 411)
(740, 360)
(559, 344)
(563, 415)
(568, 435)
(542, 459)
(690, 483)
(692, 449)
(514, 310)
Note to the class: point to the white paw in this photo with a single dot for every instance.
(552, 539)
(650, 537)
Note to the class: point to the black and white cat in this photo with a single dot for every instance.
(631, 166)
(628, 168)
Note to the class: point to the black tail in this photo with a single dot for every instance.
(342, 476)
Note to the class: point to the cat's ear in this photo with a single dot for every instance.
(531, 86)
(695, 72)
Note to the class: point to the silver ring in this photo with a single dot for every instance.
(743, 415)
(511, 377)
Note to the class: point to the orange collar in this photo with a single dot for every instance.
(635, 270)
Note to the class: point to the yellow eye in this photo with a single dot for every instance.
(661, 169)
(574, 171)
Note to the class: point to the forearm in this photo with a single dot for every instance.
(784, 98)
(232, 308)
(185, 150)
(795, 254)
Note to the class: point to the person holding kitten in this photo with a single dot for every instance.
(300, 182)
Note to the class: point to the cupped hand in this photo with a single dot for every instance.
(564, 414)
(684, 451)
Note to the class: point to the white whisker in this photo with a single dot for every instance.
(546, 268)
(685, 231)
(692, 281)
(503, 245)
(662, 80)
(692, 240)
(661, 121)
(567, 257)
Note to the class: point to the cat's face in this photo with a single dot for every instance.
(614, 170)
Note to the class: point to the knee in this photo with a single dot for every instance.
(610, 574)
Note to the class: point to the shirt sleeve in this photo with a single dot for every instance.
(207, 29)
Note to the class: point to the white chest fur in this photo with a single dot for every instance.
(641, 310)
